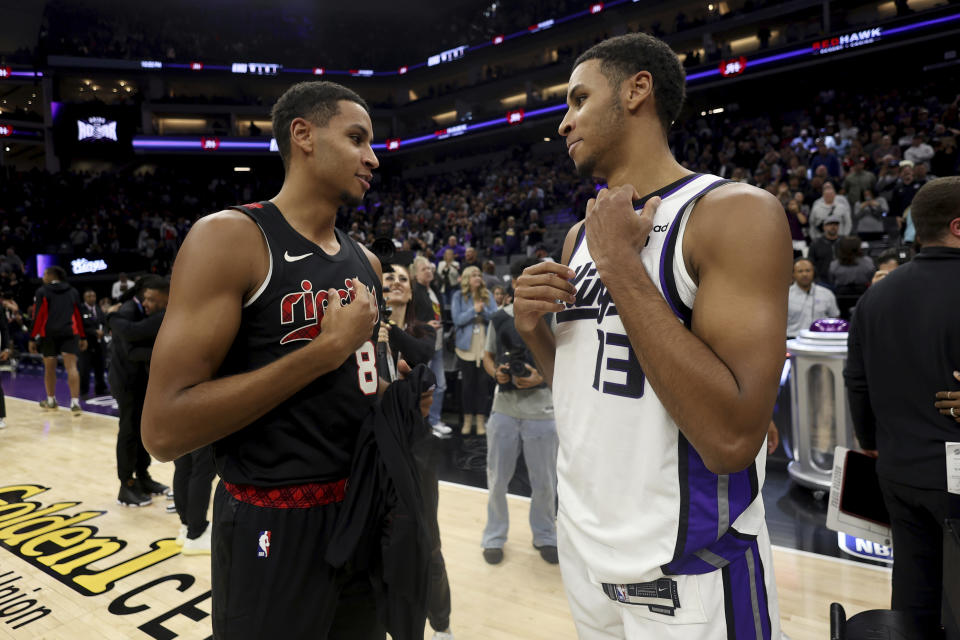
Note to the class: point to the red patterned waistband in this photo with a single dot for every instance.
(294, 496)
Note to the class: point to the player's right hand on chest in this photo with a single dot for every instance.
(349, 326)
(542, 288)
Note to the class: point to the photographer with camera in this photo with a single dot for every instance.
(522, 416)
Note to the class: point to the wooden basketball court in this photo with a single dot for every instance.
(87, 568)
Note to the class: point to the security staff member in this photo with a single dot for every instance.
(133, 334)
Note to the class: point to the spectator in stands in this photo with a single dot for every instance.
(490, 277)
(473, 307)
(904, 190)
(827, 158)
(427, 308)
(830, 204)
(903, 343)
(918, 151)
(448, 270)
(121, 286)
(499, 295)
(886, 148)
(858, 181)
(92, 358)
(822, 250)
(945, 159)
(886, 262)
(807, 300)
(797, 222)
(15, 261)
(512, 237)
(851, 271)
(459, 251)
(470, 259)
(58, 330)
(868, 215)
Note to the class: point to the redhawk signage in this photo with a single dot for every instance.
(498, 39)
(196, 66)
(5, 72)
(848, 40)
(209, 144)
(318, 71)
(540, 26)
(393, 144)
(515, 117)
(733, 67)
(5, 131)
(402, 70)
(596, 7)
(450, 132)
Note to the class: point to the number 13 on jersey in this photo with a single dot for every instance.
(617, 371)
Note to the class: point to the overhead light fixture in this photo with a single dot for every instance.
(123, 83)
(241, 169)
(546, 139)
(6, 148)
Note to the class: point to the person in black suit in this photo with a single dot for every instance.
(92, 358)
(134, 327)
(904, 341)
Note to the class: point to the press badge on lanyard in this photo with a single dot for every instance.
(953, 467)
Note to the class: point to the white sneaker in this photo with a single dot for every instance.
(182, 535)
(440, 429)
(443, 635)
(198, 546)
(3, 423)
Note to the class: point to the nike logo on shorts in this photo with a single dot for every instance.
(290, 258)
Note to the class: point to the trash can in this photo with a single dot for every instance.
(820, 414)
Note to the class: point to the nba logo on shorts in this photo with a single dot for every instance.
(263, 545)
(621, 592)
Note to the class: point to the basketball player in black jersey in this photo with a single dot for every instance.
(267, 351)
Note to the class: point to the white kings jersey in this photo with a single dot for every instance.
(636, 498)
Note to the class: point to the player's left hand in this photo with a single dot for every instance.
(532, 379)
(4, 355)
(613, 227)
(426, 398)
(948, 402)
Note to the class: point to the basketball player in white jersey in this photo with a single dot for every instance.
(671, 305)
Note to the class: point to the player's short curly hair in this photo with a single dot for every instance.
(623, 56)
(315, 101)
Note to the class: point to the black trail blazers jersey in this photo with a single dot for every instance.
(311, 436)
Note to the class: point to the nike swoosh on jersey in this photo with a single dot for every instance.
(290, 258)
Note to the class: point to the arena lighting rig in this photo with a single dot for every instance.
(847, 40)
(851, 39)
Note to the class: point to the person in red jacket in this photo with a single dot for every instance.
(58, 329)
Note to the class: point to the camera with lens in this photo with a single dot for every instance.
(516, 362)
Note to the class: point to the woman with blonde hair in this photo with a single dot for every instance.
(473, 307)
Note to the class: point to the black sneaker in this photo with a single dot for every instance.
(493, 556)
(46, 404)
(150, 486)
(131, 496)
(549, 553)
